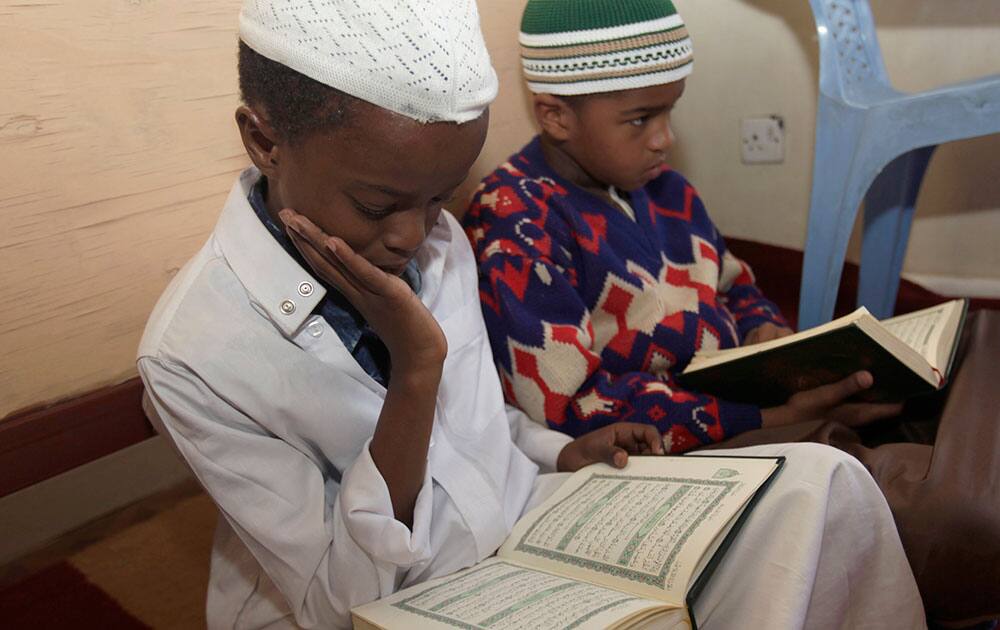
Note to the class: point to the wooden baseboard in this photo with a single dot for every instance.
(41, 443)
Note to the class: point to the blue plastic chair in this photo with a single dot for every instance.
(872, 138)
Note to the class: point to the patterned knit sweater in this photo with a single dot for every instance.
(591, 312)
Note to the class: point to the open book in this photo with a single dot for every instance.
(609, 549)
(908, 355)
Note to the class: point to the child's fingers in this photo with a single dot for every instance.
(613, 456)
(638, 438)
(622, 436)
(598, 448)
(368, 275)
(363, 276)
(833, 394)
(308, 232)
(301, 230)
(305, 234)
(860, 414)
(305, 228)
(651, 437)
(328, 267)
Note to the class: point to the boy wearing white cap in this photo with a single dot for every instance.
(322, 366)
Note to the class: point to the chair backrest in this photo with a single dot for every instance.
(851, 62)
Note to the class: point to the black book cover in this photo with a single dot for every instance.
(706, 573)
(770, 377)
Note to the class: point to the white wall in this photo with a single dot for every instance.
(761, 57)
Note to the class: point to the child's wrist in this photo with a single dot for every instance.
(417, 376)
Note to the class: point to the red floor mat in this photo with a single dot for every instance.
(61, 597)
(779, 272)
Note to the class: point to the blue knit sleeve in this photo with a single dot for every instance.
(738, 288)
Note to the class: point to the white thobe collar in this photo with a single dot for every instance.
(284, 291)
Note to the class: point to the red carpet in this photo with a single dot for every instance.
(146, 567)
(61, 597)
(779, 273)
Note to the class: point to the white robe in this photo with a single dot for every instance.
(274, 416)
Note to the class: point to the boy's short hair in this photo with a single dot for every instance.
(295, 105)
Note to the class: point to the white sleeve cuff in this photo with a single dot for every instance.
(367, 511)
(541, 444)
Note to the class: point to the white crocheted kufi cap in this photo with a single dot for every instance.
(425, 59)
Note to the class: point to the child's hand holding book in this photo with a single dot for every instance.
(766, 332)
(830, 402)
(610, 445)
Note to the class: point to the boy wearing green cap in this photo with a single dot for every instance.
(601, 271)
(601, 275)
(322, 366)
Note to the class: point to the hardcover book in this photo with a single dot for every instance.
(908, 355)
(612, 548)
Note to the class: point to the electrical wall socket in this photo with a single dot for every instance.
(762, 140)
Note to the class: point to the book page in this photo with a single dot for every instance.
(925, 331)
(642, 529)
(500, 595)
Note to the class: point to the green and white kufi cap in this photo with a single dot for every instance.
(425, 59)
(589, 46)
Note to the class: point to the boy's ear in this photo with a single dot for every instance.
(259, 139)
(554, 115)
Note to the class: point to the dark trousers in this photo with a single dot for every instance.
(939, 467)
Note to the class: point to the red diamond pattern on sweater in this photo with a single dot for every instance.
(613, 304)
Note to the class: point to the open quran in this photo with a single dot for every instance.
(908, 355)
(610, 549)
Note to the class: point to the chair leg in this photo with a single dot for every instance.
(888, 215)
(836, 194)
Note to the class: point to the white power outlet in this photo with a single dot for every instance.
(762, 140)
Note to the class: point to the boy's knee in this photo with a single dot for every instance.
(809, 457)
